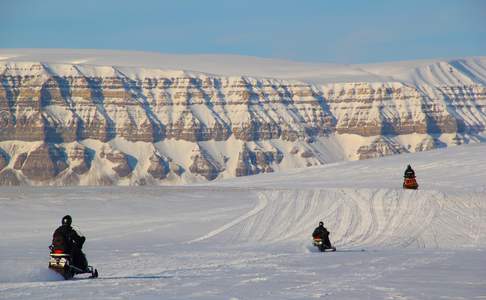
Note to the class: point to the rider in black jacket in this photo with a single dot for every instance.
(68, 239)
(322, 233)
(409, 172)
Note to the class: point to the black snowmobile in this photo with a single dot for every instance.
(66, 257)
(62, 263)
(317, 241)
(320, 238)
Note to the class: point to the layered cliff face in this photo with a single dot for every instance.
(75, 124)
(397, 109)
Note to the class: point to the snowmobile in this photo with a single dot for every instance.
(62, 263)
(319, 243)
(410, 183)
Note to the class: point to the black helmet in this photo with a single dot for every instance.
(67, 220)
(321, 223)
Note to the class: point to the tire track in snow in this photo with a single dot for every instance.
(262, 203)
(360, 218)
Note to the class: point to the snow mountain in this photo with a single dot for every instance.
(92, 117)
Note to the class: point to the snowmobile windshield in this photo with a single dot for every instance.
(78, 231)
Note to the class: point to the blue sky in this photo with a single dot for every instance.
(307, 30)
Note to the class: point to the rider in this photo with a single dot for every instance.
(66, 237)
(322, 233)
(409, 172)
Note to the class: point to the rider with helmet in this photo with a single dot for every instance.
(322, 233)
(67, 238)
(409, 172)
(409, 181)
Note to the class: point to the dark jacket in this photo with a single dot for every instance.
(321, 232)
(66, 237)
(409, 172)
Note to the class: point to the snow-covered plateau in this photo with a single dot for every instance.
(93, 117)
(249, 238)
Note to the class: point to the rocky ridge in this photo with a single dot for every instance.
(80, 124)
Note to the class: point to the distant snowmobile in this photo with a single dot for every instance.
(320, 238)
(321, 245)
(409, 181)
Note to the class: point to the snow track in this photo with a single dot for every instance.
(262, 203)
(361, 218)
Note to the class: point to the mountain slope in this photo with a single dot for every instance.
(86, 117)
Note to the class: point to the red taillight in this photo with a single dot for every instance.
(58, 251)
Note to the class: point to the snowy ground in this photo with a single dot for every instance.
(249, 238)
